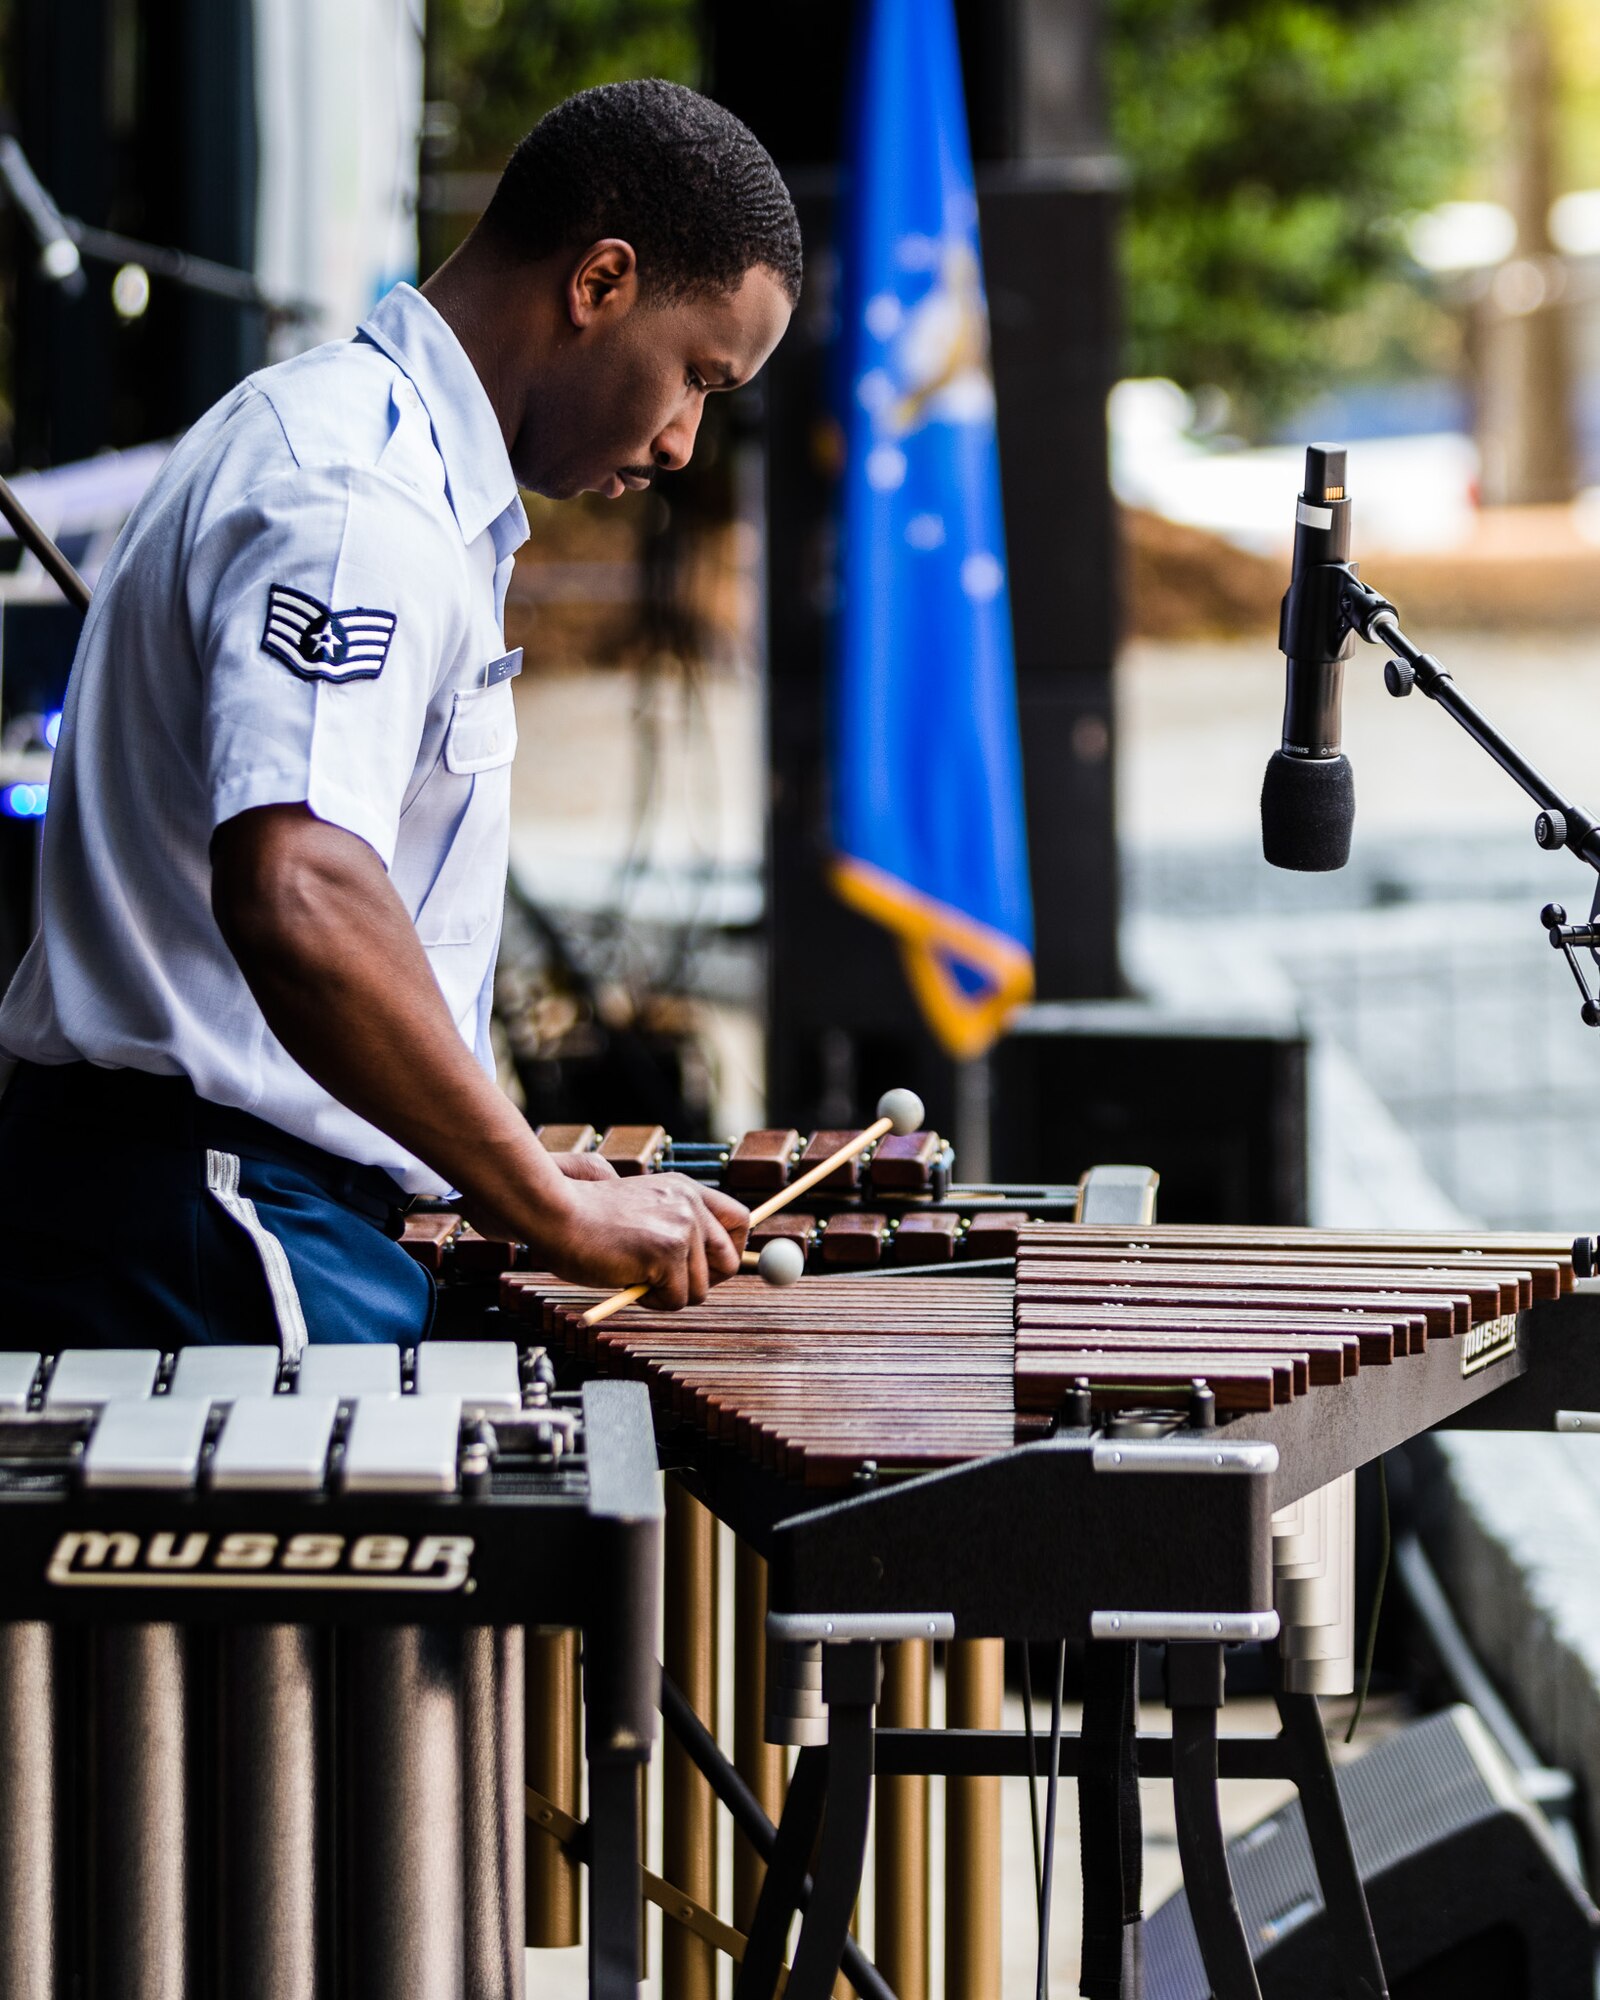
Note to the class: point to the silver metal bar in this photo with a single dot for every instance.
(17, 1372)
(494, 1811)
(808, 1627)
(221, 1373)
(276, 1894)
(350, 1368)
(401, 1826)
(403, 1444)
(483, 1373)
(94, 1375)
(29, 1825)
(1178, 1454)
(152, 1444)
(275, 1444)
(140, 1824)
(1228, 1628)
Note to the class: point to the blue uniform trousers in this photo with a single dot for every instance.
(135, 1214)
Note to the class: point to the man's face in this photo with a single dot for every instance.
(624, 400)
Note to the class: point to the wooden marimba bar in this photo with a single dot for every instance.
(897, 1209)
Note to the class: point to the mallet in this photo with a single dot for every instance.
(780, 1262)
(899, 1111)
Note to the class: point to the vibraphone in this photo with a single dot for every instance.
(261, 1693)
(1150, 1435)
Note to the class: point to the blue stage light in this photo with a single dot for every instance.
(24, 801)
(52, 727)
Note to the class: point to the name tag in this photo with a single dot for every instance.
(506, 668)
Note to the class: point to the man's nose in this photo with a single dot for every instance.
(675, 445)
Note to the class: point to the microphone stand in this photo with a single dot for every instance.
(63, 242)
(1560, 821)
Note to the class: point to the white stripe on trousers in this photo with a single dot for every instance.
(222, 1178)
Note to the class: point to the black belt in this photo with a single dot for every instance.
(168, 1114)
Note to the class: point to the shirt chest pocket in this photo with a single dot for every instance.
(483, 730)
(471, 810)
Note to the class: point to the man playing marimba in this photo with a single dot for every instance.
(255, 1020)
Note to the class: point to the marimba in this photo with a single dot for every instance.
(261, 1670)
(1149, 1434)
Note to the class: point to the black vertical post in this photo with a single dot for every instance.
(841, 1019)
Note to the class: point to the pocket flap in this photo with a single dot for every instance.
(483, 729)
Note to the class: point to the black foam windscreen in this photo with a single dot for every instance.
(1308, 809)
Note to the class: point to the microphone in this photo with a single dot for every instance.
(1308, 799)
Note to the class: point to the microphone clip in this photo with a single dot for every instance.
(1360, 606)
(1569, 940)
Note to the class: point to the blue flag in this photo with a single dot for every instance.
(926, 763)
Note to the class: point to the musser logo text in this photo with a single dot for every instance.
(250, 1560)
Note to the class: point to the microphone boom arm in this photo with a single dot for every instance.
(1560, 822)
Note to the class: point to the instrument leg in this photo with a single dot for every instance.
(1110, 1830)
(689, 1654)
(974, 1684)
(29, 1830)
(760, 1763)
(402, 1709)
(493, 1812)
(615, 1959)
(274, 1933)
(785, 1877)
(554, 1722)
(900, 1943)
(850, 1676)
(140, 1819)
(1194, 1694)
(1349, 1921)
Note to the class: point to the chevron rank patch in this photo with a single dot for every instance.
(321, 644)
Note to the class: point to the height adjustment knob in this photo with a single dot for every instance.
(1553, 916)
(1550, 828)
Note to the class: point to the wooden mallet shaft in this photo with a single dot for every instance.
(820, 1172)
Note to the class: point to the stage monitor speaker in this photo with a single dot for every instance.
(1468, 1894)
(1218, 1108)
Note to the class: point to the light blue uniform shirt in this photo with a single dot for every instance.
(306, 607)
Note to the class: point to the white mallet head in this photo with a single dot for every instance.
(781, 1262)
(904, 1109)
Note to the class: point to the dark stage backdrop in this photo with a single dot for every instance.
(138, 115)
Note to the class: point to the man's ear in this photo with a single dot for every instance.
(603, 282)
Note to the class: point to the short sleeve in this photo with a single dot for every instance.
(323, 605)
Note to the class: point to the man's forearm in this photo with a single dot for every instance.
(341, 977)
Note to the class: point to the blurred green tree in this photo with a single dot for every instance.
(494, 67)
(501, 64)
(1272, 147)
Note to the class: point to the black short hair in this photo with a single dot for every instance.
(681, 179)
